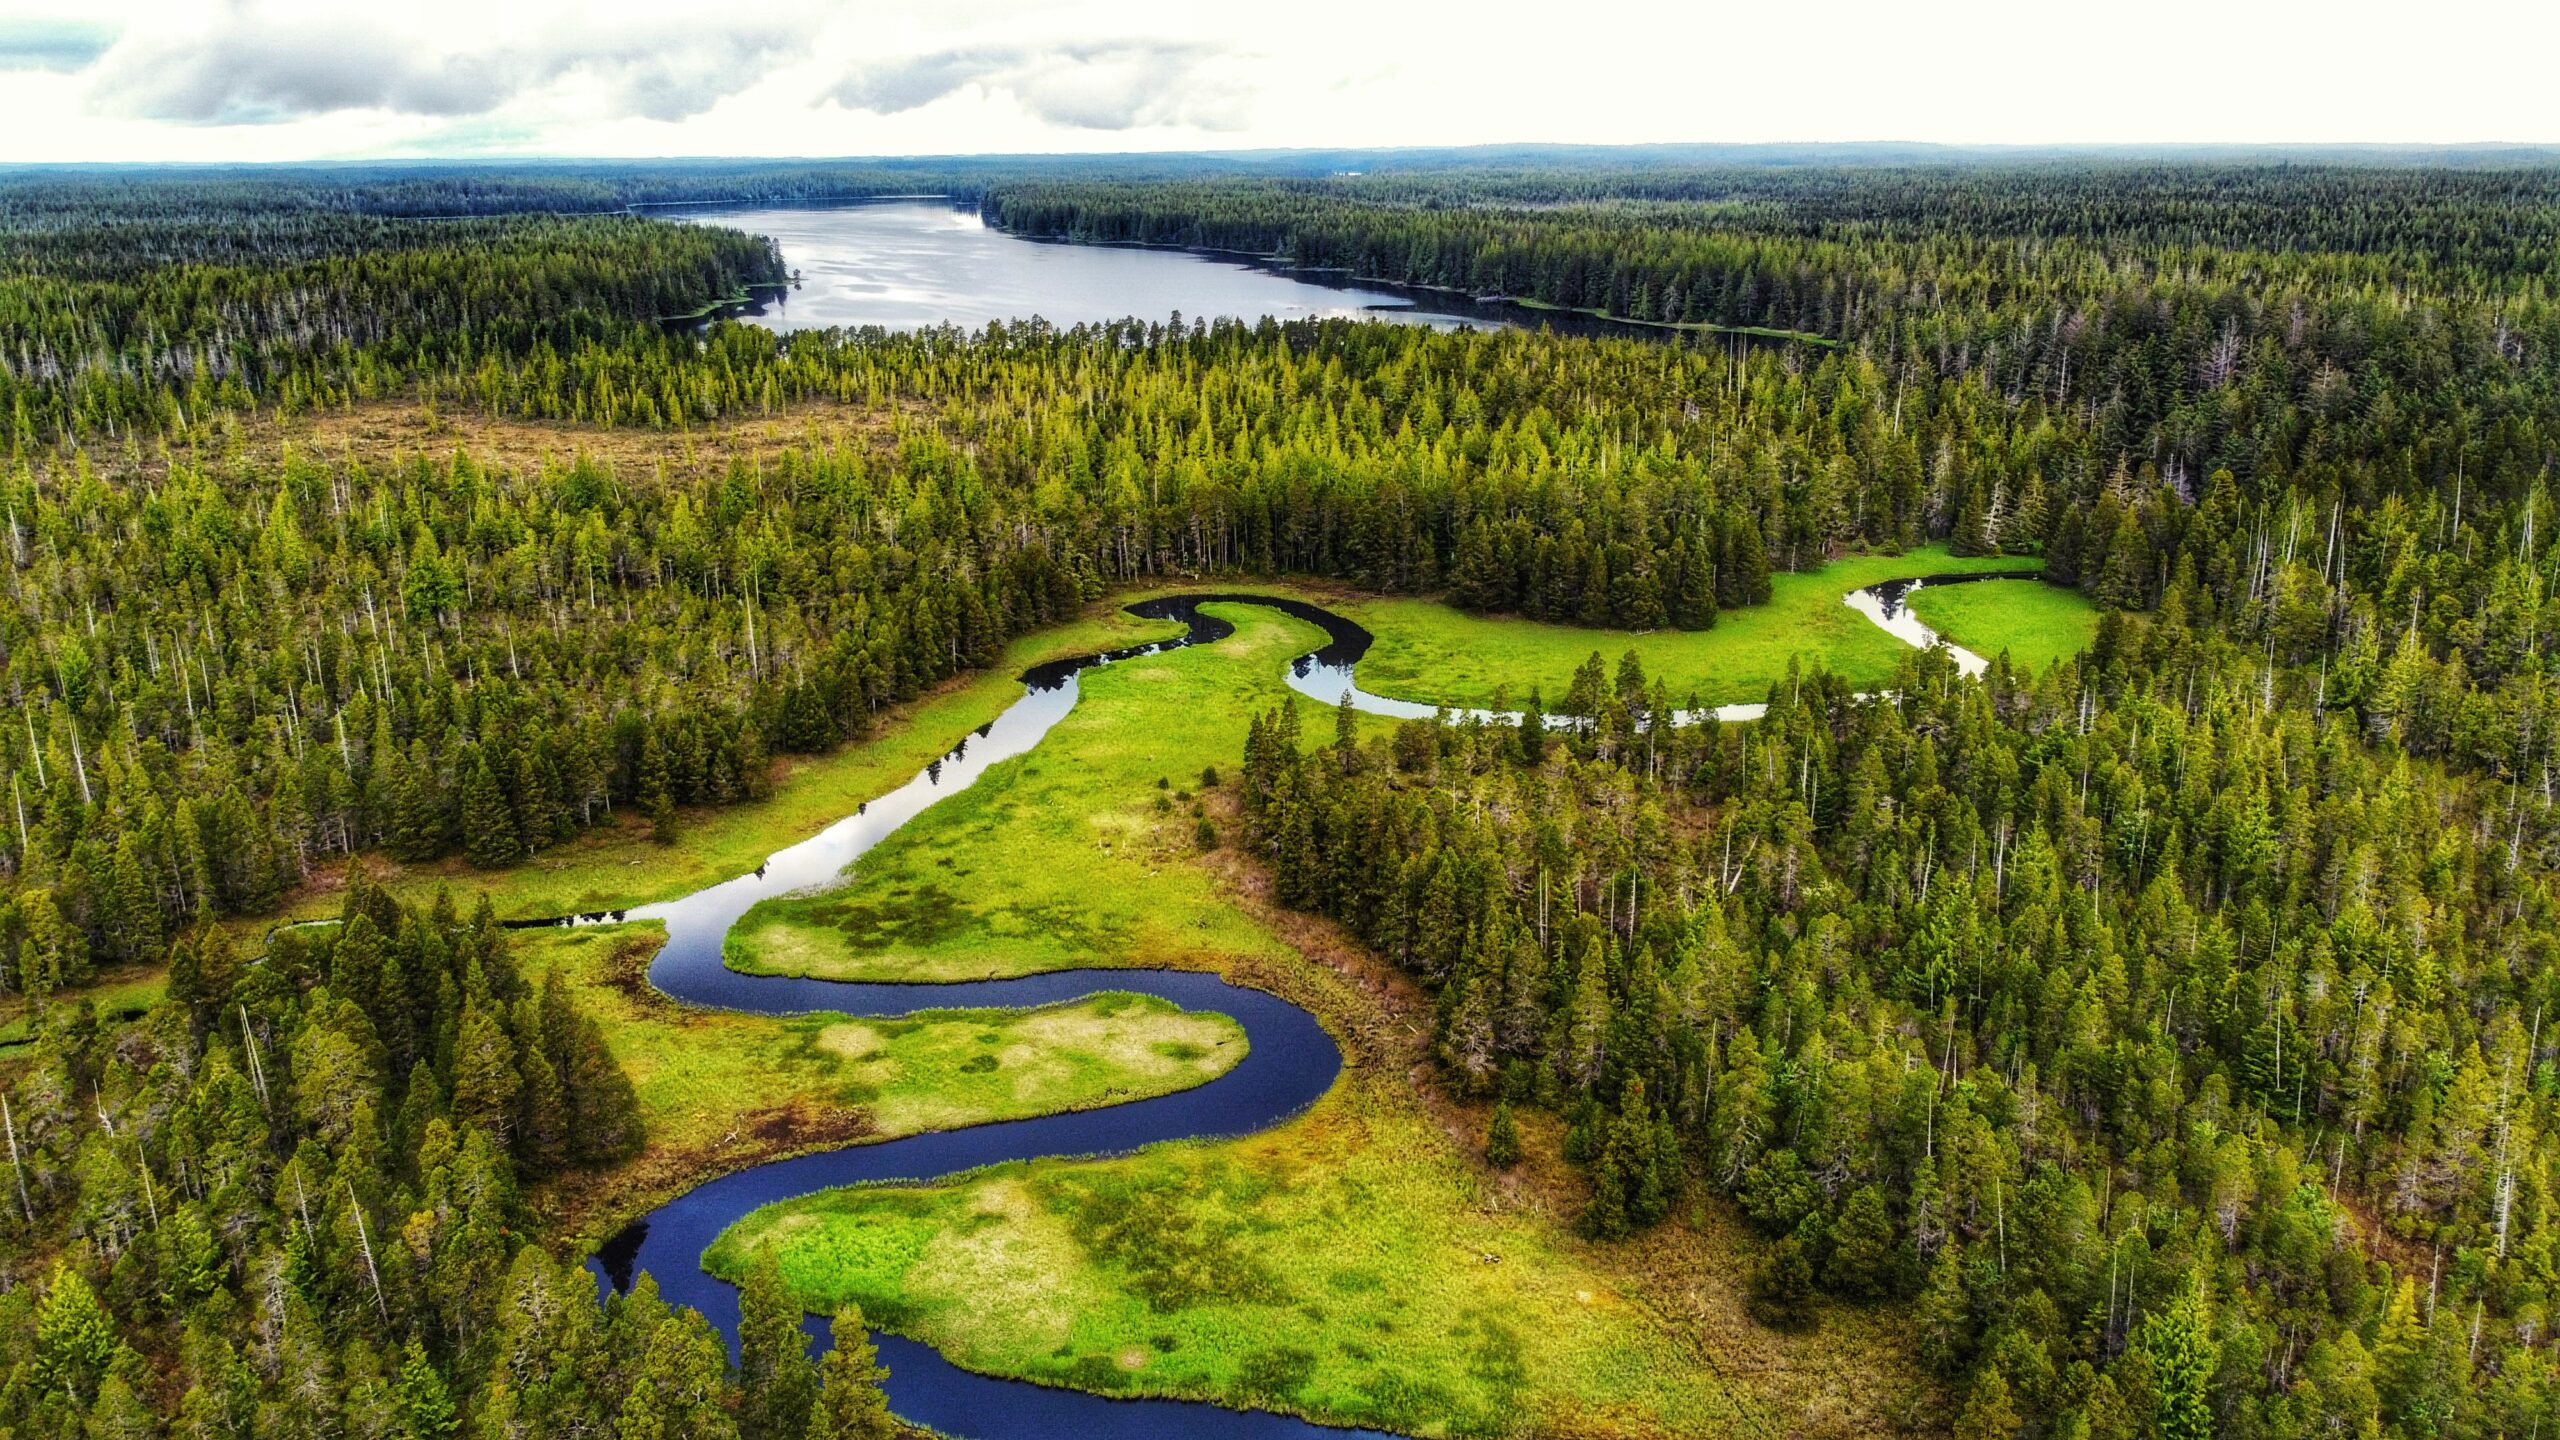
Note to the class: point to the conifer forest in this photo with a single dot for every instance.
(1652, 1000)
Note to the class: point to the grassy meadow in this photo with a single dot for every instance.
(1356, 1264)
(2036, 623)
(1434, 653)
(719, 1090)
(619, 866)
(1058, 858)
(1345, 1266)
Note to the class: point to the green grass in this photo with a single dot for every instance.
(1349, 1266)
(1433, 653)
(1338, 1265)
(2036, 623)
(718, 1089)
(121, 993)
(1061, 857)
(616, 866)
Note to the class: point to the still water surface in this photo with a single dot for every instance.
(910, 264)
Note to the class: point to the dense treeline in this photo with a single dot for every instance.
(2165, 1031)
(140, 319)
(230, 669)
(2197, 318)
(2175, 1056)
(288, 1203)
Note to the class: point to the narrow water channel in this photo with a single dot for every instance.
(1289, 1064)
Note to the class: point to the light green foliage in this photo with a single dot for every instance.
(2034, 623)
(1057, 858)
(932, 1070)
(1434, 653)
(1344, 1267)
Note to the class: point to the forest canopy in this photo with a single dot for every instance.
(2160, 1033)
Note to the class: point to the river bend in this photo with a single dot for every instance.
(1289, 1064)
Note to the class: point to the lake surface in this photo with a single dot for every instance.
(911, 264)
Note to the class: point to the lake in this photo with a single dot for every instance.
(910, 264)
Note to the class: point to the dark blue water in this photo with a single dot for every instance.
(1288, 1066)
(1289, 1063)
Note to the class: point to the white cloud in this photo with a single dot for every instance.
(1118, 85)
(251, 68)
(282, 79)
(47, 43)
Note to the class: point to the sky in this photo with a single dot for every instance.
(278, 80)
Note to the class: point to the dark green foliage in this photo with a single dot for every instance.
(1781, 1293)
(779, 1381)
(326, 1149)
(1866, 1260)
(849, 1405)
(2039, 999)
(2106, 1012)
(1502, 1138)
(489, 834)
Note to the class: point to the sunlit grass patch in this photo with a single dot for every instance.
(2037, 624)
(1346, 1266)
(1436, 653)
(1055, 859)
(719, 1089)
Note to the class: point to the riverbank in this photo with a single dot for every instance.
(1430, 652)
(1356, 1237)
(720, 1091)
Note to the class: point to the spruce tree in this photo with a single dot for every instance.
(1533, 730)
(489, 833)
(778, 1386)
(75, 1339)
(1865, 1258)
(1989, 1413)
(1502, 1138)
(424, 1405)
(655, 788)
(1781, 1288)
(2179, 1342)
(850, 1405)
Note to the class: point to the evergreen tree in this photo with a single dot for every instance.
(75, 1338)
(489, 832)
(425, 1406)
(778, 1384)
(1866, 1260)
(1502, 1138)
(1781, 1289)
(655, 788)
(850, 1405)
(1989, 1413)
(2179, 1342)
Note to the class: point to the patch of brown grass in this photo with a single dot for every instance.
(395, 429)
(1854, 1374)
(582, 1207)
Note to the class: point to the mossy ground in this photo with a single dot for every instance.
(1060, 857)
(719, 1090)
(1358, 1264)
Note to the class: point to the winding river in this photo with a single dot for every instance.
(1289, 1064)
